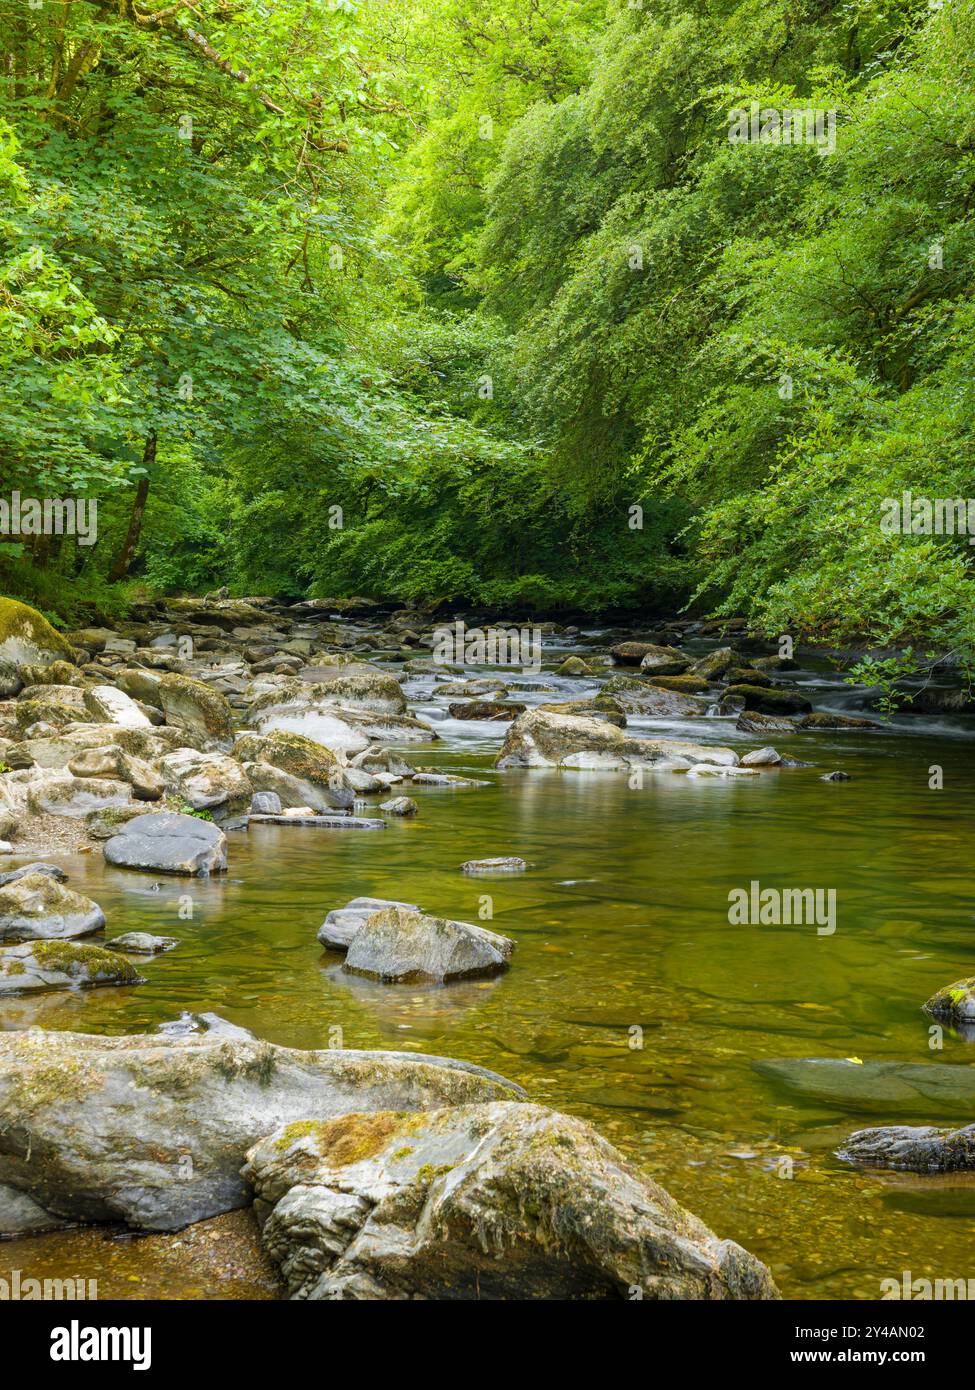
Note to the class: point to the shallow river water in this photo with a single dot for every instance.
(621, 924)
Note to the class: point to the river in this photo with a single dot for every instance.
(632, 1001)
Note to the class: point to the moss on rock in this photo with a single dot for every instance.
(27, 638)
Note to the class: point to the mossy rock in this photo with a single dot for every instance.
(48, 965)
(955, 1002)
(684, 685)
(57, 673)
(496, 1201)
(28, 639)
(189, 704)
(293, 753)
(602, 706)
(574, 666)
(773, 701)
(747, 675)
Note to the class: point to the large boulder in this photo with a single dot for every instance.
(170, 844)
(602, 706)
(342, 923)
(640, 697)
(38, 867)
(397, 945)
(344, 731)
(540, 738)
(35, 907)
(204, 780)
(26, 639)
(713, 666)
(107, 705)
(46, 965)
(826, 720)
(308, 774)
(754, 722)
(112, 762)
(767, 701)
(58, 673)
(71, 696)
(49, 709)
(499, 1201)
(153, 1130)
(376, 691)
(60, 795)
(919, 1149)
(664, 661)
(140, 684)
(632, 653)
(494, 710)
(189, 704)
(474, 689)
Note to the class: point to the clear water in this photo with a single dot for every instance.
(621, 922)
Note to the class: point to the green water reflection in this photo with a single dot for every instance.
(621, 922)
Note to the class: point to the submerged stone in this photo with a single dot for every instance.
(898, 1088)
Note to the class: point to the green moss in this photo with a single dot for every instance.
(72, 959)
(353, 1138)
(116, 815)
(214, 709)
(48, 1076)
(293, 1133)
(404, 1152)
(20, 624)
(45, 712)
(431, 1171)
(300, 756)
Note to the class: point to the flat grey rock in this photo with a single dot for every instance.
(893, 1088)
(327, 822)
(142, 943)
(170, 843)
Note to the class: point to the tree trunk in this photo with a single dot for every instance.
(126, 555)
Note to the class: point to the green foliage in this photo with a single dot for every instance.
(433, 302)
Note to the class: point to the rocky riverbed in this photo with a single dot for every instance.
(233, 760)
